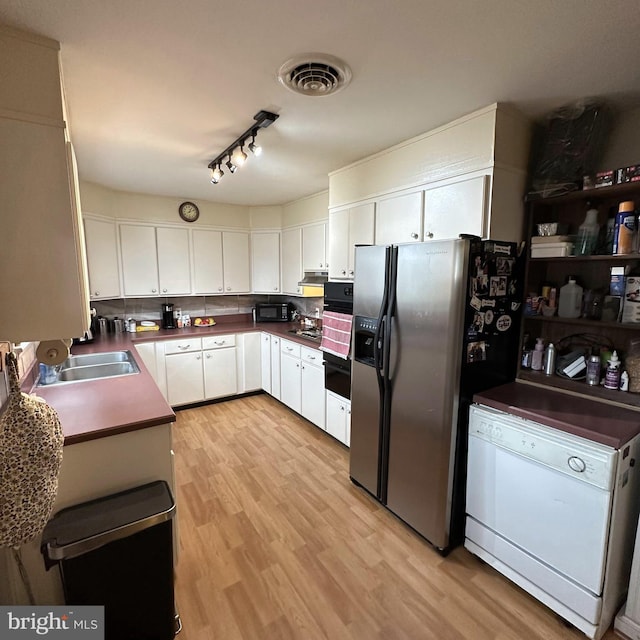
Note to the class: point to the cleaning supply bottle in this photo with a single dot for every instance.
(538, 355)
(588, 234)
(612, 375)
(570, 303)
(550, 359)
(624, 233)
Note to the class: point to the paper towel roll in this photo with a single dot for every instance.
(52, 352)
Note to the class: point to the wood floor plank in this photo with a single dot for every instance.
(278, 544)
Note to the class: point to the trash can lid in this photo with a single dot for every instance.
(88, 526)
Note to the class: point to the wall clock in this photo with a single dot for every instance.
(189, 212)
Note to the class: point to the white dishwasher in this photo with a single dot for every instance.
(553, 512)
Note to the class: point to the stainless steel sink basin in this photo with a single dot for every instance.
(95, 366)
(96, 358)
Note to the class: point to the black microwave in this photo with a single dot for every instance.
(273, 311)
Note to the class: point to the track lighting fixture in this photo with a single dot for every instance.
(235, 153)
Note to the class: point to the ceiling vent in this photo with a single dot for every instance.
(314, 74)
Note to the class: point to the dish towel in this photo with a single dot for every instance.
(336, 333)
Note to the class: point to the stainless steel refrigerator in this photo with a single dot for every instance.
(434, 323)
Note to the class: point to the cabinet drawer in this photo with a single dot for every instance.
(183, 346)
(219, 342)
(290, 348)
(312, 356)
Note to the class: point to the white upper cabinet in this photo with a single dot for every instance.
(235, 261)
(314, 250)
(452, 209)
(291, 261)
(101, 238)
(207, 262)
(347, 228)
(265, 262)
(139, 260)
(44, 278)
(399, 219)
(173, 261)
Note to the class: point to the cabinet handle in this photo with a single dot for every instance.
(341, 408)
(276, 341)
(297, 365)
(208, 356)
(183, 347)
(219, 288)
(97, 293)
(153, 291)
(344, 273)
(164, 291)
(289, 348)
(430, 235)
(219, 343)
(275, 288)
(414, 236)
(351, 272)
(312, 357)
(303, 367)
(198, 357)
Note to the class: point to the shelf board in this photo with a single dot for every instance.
(581, 388)
(584, 322)
(629, 257)
(603, 193)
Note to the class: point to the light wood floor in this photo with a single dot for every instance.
(276, 542)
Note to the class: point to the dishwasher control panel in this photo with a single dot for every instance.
(591, 462)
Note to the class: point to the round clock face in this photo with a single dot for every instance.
(189, 212)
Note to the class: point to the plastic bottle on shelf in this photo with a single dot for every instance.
(538, 355)
(612, 375)
(624, 233)
(588, 234)
(593, 370)
(550, 359)
(570, 303)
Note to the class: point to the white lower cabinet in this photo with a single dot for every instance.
(249, 359)
(338, 422)
(220, 368)
(184, 378)
(290, 375)
(312, 402)
(147, 351)
(276, 384)
(265, 362)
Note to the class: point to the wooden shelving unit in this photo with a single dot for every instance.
(592, 273)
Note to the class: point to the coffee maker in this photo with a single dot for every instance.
(168, 321)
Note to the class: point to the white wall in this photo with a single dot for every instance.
(267, 217)
(314, 208)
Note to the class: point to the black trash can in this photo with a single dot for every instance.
(117, 551)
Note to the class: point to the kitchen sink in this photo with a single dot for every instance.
(96, 358)
(94, 366)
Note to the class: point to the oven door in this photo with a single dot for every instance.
(337, 375)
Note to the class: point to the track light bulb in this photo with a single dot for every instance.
(239, 156)
(232, 167)
(256, 149)
(216, 174)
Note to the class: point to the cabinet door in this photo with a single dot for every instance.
(339, 244)
(399, 219)
(290, 375)
(147, 353)
(173, 261)
(314, 247)
(337, 417)
(456, 208)
(265, 262)
(265, 361)
(207, 262)
(276, 384)
(361, 230)
(312, 401)
(249, 354)
(139, 260)
(101, 239)
(291, 261)
(235, 260)
(184, 378)
(220, 373)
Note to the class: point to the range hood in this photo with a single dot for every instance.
(313, 279)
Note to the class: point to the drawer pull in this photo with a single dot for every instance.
(183, 347)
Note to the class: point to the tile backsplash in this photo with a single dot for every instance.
(151, 308)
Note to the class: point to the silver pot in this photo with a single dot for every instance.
(118, 325)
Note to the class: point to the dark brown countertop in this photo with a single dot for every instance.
(607, 424)
(99, 408)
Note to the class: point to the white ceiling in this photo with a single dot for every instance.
(157, 88)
